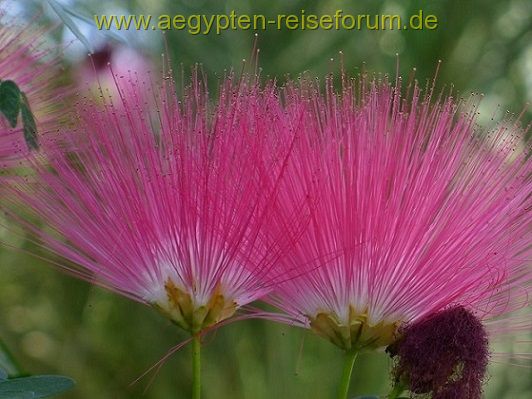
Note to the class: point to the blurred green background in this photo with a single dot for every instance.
(55, 324)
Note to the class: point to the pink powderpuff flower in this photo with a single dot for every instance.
(29, 67)
(164, 201)
(414, 211)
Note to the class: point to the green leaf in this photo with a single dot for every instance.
(39, 386)
(10, 101)
(28, 123)
(76, 14)
(25, 395)
(63, 14)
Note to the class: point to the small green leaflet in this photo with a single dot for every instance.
(10, 101)
(14, 102)
(28, 122)
(34, 387)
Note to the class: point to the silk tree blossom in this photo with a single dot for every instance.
(415, 210)
(163, 201)
(28, 66)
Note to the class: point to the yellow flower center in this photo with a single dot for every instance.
(357, 334)
(181, 309)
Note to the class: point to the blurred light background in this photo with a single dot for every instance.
(55, 324)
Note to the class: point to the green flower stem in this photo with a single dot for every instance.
(350, 358)
(196, 366)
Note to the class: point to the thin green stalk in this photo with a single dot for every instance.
(196, 366)
(351, 356)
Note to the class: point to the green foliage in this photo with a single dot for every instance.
(14, 102)
(28, 123)
(15, 385)
(10, 101)
(62, 13)
(34, 387)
